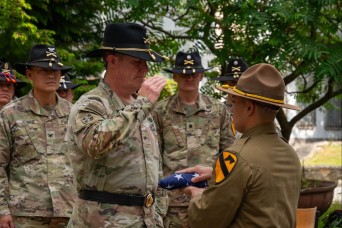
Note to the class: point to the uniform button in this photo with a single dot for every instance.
(190, 126)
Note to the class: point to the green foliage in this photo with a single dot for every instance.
(169, 90)
(86, 85)
(302, 38)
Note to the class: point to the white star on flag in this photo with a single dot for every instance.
(178, 176)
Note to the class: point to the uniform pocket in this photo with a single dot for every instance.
(24, 149)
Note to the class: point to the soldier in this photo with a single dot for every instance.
(193, 128)
(113, 143)
(66, 88)
(257, 180)
(35, 174)
(235, 68)
(8, 84)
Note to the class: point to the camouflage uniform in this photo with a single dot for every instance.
(35, 175)
(189, 137)
(113, 148)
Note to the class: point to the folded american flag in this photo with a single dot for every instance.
(181, 180)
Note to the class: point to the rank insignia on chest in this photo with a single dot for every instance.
(225, 164)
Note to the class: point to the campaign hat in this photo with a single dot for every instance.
(187, 63)
(44, 56)
(65, 83)
(129, 39)
(234, 69)
(263, 83)
(7, 75)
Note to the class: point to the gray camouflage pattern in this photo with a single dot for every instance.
(114, 148)
(35, 174)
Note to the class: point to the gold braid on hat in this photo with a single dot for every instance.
(257, 96)
(135, 49)
(252, 95)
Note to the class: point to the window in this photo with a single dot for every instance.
(308, 121)
(333, 119)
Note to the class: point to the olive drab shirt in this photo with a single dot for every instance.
(191, 136)
(35, 174)
(113, 148)
(257, 184)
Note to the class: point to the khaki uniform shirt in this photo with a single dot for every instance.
(260, 189)
(190, 137)
(113, 148)
(35, 174)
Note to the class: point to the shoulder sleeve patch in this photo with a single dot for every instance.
(225, 164)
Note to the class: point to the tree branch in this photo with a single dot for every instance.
(327, 96)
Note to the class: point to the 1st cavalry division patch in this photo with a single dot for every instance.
(224, 165)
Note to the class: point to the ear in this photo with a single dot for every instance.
(111, 60)
(250, 108)
(202, 75)
(28, 74)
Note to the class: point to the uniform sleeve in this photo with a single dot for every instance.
(162, 199)
(227, 136)
(156, 113)
(96, 133)
(218, 204)
(4, 162)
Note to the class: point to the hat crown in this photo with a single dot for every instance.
(6, 69)
(263, 80)
(126, 35)
(235, 67)
(188, 60)
(187, 63)
(65, 79)
(42, 52)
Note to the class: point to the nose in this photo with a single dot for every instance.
(52, 73)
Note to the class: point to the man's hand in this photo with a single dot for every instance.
(204, 172)
(192, 191)
(152, 87)
(6, 221)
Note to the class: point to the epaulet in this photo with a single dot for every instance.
(224, 165)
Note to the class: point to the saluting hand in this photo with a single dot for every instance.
(152, 87)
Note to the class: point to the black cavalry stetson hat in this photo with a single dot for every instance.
(187, 63)
(7, 75)
(128, 39)
(44, 56)
(235, 68)
(65, 83)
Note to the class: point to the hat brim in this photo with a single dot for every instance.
(69, 86)
(187, 71)
(144, 55)
(225, 78)
(17, 85)
(231, 91)
(21, 67)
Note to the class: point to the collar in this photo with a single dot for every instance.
(260, 129)
(61, 109)
(178, 106)
(114, 99)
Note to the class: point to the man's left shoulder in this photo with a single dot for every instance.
(213, 102)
